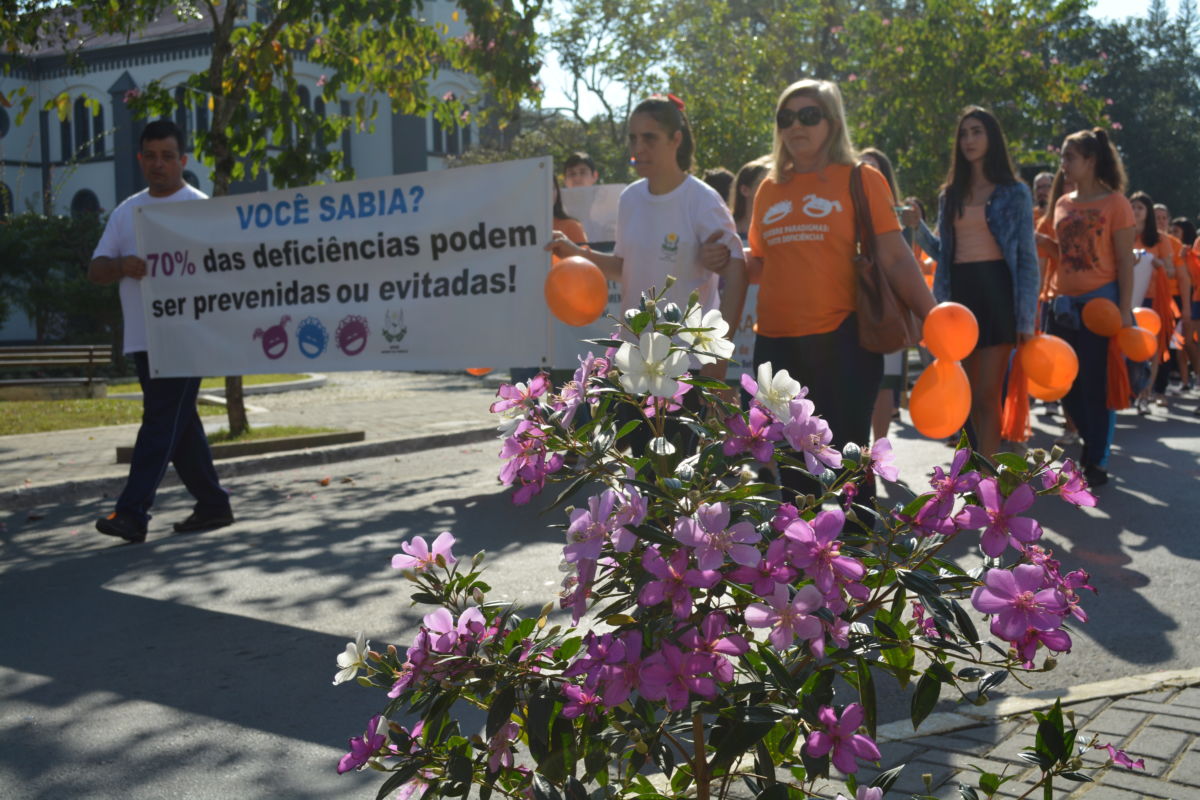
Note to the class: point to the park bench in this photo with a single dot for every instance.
(85, 358)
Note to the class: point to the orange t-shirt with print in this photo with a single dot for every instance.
(1045, 227)
(803, 230)
(1175, 260)
(1086, 257)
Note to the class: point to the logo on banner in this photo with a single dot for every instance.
(394, 331)
(274, 339)
(311, 337)
(351, 335)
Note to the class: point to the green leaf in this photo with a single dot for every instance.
(1012, 461)
(660, 446)
(628, 428)
(967, 793)
(776, 791)
(543, 789)
(990, 783)
(885, 780)
(500, 710)
(1078, 777)
(398, 779)
(866, 694)
(925, 698)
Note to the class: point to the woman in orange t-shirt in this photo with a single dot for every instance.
(802, 233)
(1095, 232)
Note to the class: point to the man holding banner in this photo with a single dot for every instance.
(171, 431)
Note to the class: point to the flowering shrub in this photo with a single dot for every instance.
(720, 633)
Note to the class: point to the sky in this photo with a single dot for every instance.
(553, 78)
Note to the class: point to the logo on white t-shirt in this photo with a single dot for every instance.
(777, 212)
(818, 207)
(670, 247)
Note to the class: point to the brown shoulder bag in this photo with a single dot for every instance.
(885, 323)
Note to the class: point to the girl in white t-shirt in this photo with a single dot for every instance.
(670, 223)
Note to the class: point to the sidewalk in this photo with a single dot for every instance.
(1155, 717)
(400, 412)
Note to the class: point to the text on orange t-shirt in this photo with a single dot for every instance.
(803, 230)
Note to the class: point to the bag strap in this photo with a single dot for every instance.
(864, 230)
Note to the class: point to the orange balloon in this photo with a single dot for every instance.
(1047, 393)
(478, 371)
(1147, 318)
(1049, 362)
(576, 291)
(1102, 317)
(1138, 344)
(940, 399)
(950, 331)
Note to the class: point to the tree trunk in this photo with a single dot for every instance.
(235, 406)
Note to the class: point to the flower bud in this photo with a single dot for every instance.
(477, 595)
(477, 559)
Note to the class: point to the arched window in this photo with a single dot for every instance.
(437, 142)
(99, 147)
(83, 130)
(181, 115)
(85, 202)
(304, 96)
(3, 122)
(68, 147)
(202, 115)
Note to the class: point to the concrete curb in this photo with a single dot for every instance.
(315, 380)
(60, 491)
(947, 722)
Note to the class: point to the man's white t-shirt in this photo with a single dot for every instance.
(661, 234)
(119, 240)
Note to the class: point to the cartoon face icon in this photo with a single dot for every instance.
(820, 207)
(351, 335)
(777, 212)
(274, 339)
(311, 337)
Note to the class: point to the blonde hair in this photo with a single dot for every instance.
(838, 148)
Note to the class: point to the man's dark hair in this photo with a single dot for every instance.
(577, 158)
(721, 180)
(161, 129)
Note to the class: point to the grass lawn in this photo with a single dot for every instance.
(39, 416)
(212, 383)
(266, 432)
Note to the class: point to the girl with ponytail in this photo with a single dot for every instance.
(1095, 230)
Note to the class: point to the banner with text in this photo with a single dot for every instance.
(433, 270)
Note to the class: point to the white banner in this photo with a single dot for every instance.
(434, 270)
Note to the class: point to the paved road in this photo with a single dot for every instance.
(199, 666)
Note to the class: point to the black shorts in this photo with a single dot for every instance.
(986, 288)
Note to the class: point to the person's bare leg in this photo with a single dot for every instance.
(985, 369)
(881, 417)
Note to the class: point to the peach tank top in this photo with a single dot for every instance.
(973, 241)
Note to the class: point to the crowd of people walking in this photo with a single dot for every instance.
(1024, 261)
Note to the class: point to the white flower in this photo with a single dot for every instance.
(650, 367)
(352, 659)
(777, 391)
(712, 344)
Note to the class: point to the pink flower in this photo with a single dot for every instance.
(840, 736)
(886, 22)
(500, 746)
(836, 29)
(589, 528)
(1121, 758)
(810, 435)
(882, 460)
(362, 748)
(1027, 646)
(713, 638)
(852, 77)
(448, 96)
(672, 675)
(1103, 56)
(788, 618)
(1116, 126)
(947, 485)
(714, 541)
(620, 677)
(757, 435)
(513, 395)
(1020, 600)
(866, 793)
(674, 581)
(321, 81)
(580, 701)
(420, 558)
(998, 517)
(1071, 484)
(814, 548)
(769, 571)
(899, 48)
(1054, 60)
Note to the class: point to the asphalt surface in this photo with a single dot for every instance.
(199, 666)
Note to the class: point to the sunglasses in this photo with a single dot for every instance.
(808, 116)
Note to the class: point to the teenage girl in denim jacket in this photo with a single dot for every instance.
(986, 259)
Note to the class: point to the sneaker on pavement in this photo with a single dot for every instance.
(123, 526)
(1143, 406)
(204, 522)
(1067, 439)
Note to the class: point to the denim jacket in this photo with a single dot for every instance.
(1009, 214)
